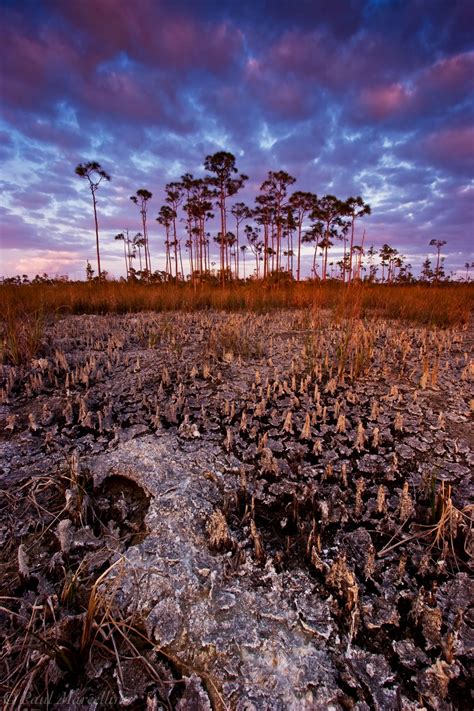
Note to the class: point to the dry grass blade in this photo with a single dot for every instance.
(121, 625)
(445, 527)
(97, 601)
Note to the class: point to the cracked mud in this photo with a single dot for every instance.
(238, 511)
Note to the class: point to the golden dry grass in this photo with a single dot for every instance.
(26, 306)
(447, 303)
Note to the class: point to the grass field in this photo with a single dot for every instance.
(26, 307)
(441, 305)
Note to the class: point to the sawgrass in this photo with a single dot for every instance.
(25, 307)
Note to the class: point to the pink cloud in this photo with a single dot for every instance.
(118, 94)
(384, 101)
(179, 42)
(80, 58)
(153, 33)
(447, 80)
(305, 53)
(315, 55)
(450, 147)
(452, 74)
(276, 91)
(37, 65)
(110, 24)
(49, 261)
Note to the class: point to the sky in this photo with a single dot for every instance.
(351, 97)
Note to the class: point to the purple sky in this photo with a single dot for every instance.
(369, 97)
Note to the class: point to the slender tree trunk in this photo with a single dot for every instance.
(129, 254)
(278, 244)
(273, 246)
(237, 250)
(191, 263)
(201, 245)
(344, 258)
(181, 261)
(149, 255)
(204, 246)
(265, 250)
(145, 239)
(94, 202)
(289, 240)
(280, 238)
(148, 249)
(167, 248)
(195, 242)
(147, 244)
(350, 252)
(223, 232)
(298, 263)
(125, 257)
(197, 249)
(437, 263)
(175, 237)
(359, 268)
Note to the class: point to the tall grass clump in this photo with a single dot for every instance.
(435, 305)
(26, 306)
(21, 335)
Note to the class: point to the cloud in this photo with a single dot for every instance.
(385, 100)
(359, 97)
(432, 91)
(449, 149)
(47, 261)
(15, 232)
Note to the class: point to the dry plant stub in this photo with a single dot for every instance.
(209, 510)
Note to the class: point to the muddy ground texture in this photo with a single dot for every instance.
(238, 511)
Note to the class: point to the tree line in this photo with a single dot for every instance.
(273, 230)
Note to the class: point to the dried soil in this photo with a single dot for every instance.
(214, 510)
